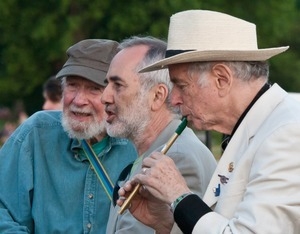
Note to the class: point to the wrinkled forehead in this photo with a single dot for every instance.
(178, 71)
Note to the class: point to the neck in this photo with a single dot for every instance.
(237, 103)
(145, 139)
(96, 139)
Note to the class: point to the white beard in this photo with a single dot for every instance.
(87, 130)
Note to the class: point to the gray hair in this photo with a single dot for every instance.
(244, 71)
(63, 81)
(157, 50)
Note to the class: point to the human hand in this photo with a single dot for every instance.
(162, 178)
(147, 209)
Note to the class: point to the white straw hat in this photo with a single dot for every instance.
(202, 35)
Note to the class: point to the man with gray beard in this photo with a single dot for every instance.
(47, 184)
(138, 108)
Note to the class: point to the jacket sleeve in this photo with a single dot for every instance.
(196, 173)
(16, 185)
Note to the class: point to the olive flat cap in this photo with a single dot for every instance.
(90, 59)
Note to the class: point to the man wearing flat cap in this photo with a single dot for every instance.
(47, 179)
(221, 83)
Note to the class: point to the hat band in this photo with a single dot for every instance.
(170, 53)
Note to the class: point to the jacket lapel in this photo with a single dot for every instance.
(240, 141)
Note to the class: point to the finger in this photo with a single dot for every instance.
(120, 201)
(127, 187)
(152, 159)
(125, 191)
(121, 192)
(157, 155)
(144, 170)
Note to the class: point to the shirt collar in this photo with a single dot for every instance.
(99, 148)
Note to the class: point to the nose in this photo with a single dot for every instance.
(176, 99)
(80, 97)
(107, 96)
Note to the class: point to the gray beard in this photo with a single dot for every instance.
(133, 121)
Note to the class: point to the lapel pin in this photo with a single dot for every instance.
(223, 179)
(231, 167)
(217, 190)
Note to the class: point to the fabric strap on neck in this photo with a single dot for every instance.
(99, 169)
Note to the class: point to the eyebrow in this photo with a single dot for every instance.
(113, 79)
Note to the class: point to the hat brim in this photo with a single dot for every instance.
(215, 55)
(89, 73)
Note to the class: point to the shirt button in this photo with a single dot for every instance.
(89, 226)
(91, 196)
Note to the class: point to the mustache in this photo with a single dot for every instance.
(80, 110)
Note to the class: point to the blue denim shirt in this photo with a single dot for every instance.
(47, 187)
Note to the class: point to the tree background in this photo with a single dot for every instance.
(36, 34)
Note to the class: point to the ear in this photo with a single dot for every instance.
(223, 78)
(160, 93)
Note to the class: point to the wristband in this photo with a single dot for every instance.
(179, 199)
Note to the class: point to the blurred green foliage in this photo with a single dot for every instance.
(36, 34)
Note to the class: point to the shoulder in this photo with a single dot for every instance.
(188, 148)
(121, 146)
(44, 118)
(189, 141)
(286, 113)
(121, 143)
(281, 106)
(43, 122)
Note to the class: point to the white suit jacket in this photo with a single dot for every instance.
(260, 171)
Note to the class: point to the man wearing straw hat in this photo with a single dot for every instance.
(221, 83)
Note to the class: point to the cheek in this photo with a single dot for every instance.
(99, 108)
(195, 103)
(67, 99)
(123, 101)
(190, 98)
(101, 116)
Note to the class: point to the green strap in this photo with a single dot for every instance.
(99, 169)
